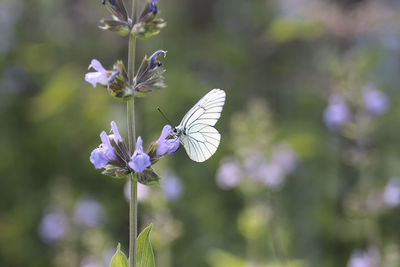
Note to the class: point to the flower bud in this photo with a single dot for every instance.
(149, 75)
(148, 24)
(120, 27)
(121, 23)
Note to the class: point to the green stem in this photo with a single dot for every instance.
(274, 232)
(131, 142)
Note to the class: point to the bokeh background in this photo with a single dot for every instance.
(307, 173)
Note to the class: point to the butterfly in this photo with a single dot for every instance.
(196, 132)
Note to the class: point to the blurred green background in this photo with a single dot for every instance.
(306, 171)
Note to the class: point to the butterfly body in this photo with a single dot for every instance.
(196, 132)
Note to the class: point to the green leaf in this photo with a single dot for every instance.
(144, 251)
(119, 259)
(148, 177)
(115, 172)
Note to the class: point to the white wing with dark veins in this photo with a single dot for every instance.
(198, 136)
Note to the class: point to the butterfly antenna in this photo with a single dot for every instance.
(165, 117)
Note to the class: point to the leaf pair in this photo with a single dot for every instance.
(144, 252)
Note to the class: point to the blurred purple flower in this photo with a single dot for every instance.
(368, 258)
(143, 191)
(108, 253)
(165, 145)
(172, 187)
(140, 160)
(376, 102)
(391, 194)
(283, 155)
(100, 76)
(91, 261)
(229, 174)
(337, 113)
(271, 174)
(54, 226)
(10, 12)
(105, 152)
(88, 212)
(252, 164)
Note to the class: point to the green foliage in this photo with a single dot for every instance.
(144, 250)
(119, 259)
(278, 63)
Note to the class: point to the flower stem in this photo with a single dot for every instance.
(131, 141)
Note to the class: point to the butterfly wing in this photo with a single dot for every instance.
(207, 110)
(199, 138)
(201, 142)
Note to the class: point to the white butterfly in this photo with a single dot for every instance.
(196, 132)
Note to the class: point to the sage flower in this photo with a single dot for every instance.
(115, 80)
(375, 102)
(100, 76)
(106, 152)
(88, 212)
(172, 186)
(165, 145)
(391, 193)
(54, 226)
(140, 160)
(229, 174)
(337, 113)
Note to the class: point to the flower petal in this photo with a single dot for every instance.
(153, 59)
(95, 64)
(173, 145)
(117, 136)
(162, 147)
(139, 145)
(96, 77)
(98, 158)
(140, 162)
(108, 149)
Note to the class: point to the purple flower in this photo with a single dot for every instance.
(270, 174)
(367, 258)
(88, 212)
(391, 194)
(337, 113)
(152, 7)
(53, 226)
(143, 191)
(96, 77)
(165, 145)
(375, 101)
(105, 152)
(153, 59)
(172, 187)
(229, 174)
(140, 160)
(90, 261)
(283, 155)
